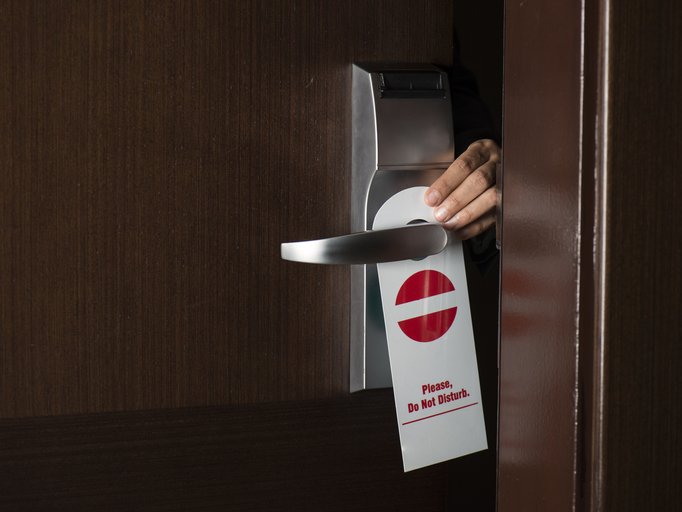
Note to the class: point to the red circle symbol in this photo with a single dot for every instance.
(430, 326)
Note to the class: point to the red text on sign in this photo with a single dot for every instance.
(432, 388)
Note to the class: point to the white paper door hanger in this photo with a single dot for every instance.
(431, 345)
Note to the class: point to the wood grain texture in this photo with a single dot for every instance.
(153, 155)
(643, 414)
(333, 455)
(638, 465)
(540, 270)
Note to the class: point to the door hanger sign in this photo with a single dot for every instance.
(430, 345)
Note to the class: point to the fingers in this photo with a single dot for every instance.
(475, 155)
(477, 183)
(476, 228)
(480, 207)
(464, 193)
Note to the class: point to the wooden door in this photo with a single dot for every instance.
(155, 353)
(590, 328)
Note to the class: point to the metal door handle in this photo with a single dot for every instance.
(404, 243)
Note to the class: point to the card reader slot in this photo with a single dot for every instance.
(420, 84)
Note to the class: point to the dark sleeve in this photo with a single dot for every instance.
(472, 121)
(471, 118)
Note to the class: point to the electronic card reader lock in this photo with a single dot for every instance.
(410, 319)
(402, 141)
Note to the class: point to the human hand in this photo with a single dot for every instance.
(464, 197)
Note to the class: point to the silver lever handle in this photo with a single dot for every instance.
(404, 243)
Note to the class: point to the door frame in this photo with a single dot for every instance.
(590, 290)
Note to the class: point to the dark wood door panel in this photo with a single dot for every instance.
(540, 263)
(153, 155)
(337, 455)
(642, 410)
(600, 431)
